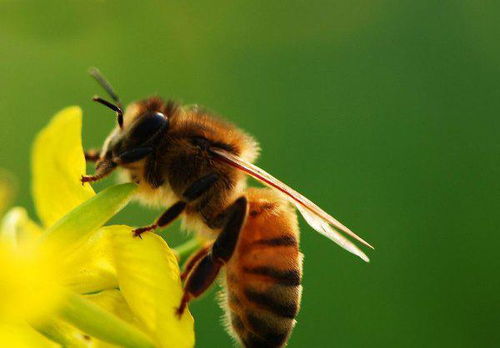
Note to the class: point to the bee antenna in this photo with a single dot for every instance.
(103, 82)
(114, 107)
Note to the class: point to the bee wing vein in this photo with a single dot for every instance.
(317, 218)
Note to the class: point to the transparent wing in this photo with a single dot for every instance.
(316, 217)
(325, 229)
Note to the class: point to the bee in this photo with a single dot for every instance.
(195, 164)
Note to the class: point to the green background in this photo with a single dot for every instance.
(386, 113)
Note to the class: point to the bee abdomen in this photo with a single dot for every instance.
(262, 312)
(264, 276)
(289, 277)
(273, 303)
(262, 319)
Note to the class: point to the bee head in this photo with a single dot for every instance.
(135, 136)
(138, 129)
(137, 133)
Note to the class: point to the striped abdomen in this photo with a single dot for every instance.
(263, 277)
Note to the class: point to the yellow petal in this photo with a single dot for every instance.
(18, 229)
(58, 163)
(112, 301)
(148, 275)
(23, 336)
(90, 268)
(29, 283)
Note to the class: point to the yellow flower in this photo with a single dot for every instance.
(72, 275)
(7, 188)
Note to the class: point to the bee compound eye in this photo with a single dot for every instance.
(148, 126)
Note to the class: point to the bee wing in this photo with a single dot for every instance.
(316, 217)
(325, 229)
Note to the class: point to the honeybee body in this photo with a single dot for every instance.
(263, 290)
(181, 157)
(263, 277)
(196, 165)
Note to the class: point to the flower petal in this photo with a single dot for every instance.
(148, 275)
(90, 268)
(113, 302)
(58, 163)
(17, 229)
(23, 336)
(68, 233)
(29, 286)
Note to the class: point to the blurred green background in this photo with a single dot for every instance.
(386, 113)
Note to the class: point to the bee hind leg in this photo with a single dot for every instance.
(193, 260)
(193, 192)
(205, 271)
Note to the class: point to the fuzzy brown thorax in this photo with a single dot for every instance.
(178, 155)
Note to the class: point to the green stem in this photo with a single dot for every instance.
(183, 251)
(100, 324)
(61, 332)
(86, 218)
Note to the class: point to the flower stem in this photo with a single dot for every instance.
(61, 332)
(86, 218)
(100, 324)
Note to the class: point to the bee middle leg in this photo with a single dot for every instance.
(205, 271)
(193, 192)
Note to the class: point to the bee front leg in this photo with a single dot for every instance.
(103, 169)
(206, 270)
(193, 192)
(92, 155)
